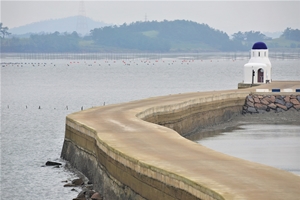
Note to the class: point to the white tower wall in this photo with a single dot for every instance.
(260, 64)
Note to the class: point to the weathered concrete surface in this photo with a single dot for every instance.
(154, 162)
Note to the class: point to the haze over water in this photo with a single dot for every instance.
(31, 136)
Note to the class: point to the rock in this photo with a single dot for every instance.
(96, 196)
(256, 100)
(89, 186)
(50, 163)
(279, 101)
(279, 97)
(82, 194)
(69, 185)
(293, 96)
(260, 106)
(78, 181)
(289, 105)
(260, 96)
(279, 110)
(261, 111)
(297, 107)
(298, 98)
(270, 99)
(251, 110)
(295, 101)
(249, 98)
(281, 106)
(287, 99)
(264, 101)
(250, 104)
(91, 193)
(272, 106)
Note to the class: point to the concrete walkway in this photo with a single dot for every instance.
(232, 178)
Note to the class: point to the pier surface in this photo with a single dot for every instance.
(162, 154)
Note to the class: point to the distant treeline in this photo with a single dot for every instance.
(149, 36)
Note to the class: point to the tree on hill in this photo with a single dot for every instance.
(249, 36)
(291, 34)
(38, 43)
(4, 30)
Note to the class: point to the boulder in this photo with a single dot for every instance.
(50, 163)
(295, 101)
(251, 110)
(270, 99)
(264, 101)
(298, 98)
(281, 106)
(69, 185)
(293, 96)
(289, 105)
(96, 196)
(279, 101)
(287, 99)
(278, 110)
(297, 107)
(256, 100)
(272, 106)
(249, 98)
(81, 194)
(250, 104)
(260, 106)
(91, 193)
(78, 182)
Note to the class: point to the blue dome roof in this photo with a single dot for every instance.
(259, 45)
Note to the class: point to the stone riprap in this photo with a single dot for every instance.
(255, 103)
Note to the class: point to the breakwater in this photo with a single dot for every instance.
(126, 157)
(256, 103)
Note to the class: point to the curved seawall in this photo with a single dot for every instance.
(126, 157)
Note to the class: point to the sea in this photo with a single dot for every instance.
(38, 91)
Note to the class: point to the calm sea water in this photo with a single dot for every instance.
(276, 145)
(37, 96)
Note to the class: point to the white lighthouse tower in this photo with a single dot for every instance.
(258, 69)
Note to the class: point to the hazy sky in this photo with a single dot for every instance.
(228, 16)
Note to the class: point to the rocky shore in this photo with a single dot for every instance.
(81, 184)
(267, 103)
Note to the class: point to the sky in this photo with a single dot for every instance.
(227, 16)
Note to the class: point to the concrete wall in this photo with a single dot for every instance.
(120, 176)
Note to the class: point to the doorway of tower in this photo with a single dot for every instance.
(260, 75)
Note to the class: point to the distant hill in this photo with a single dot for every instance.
(68, 24)
(148, 36)
(176, 36)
